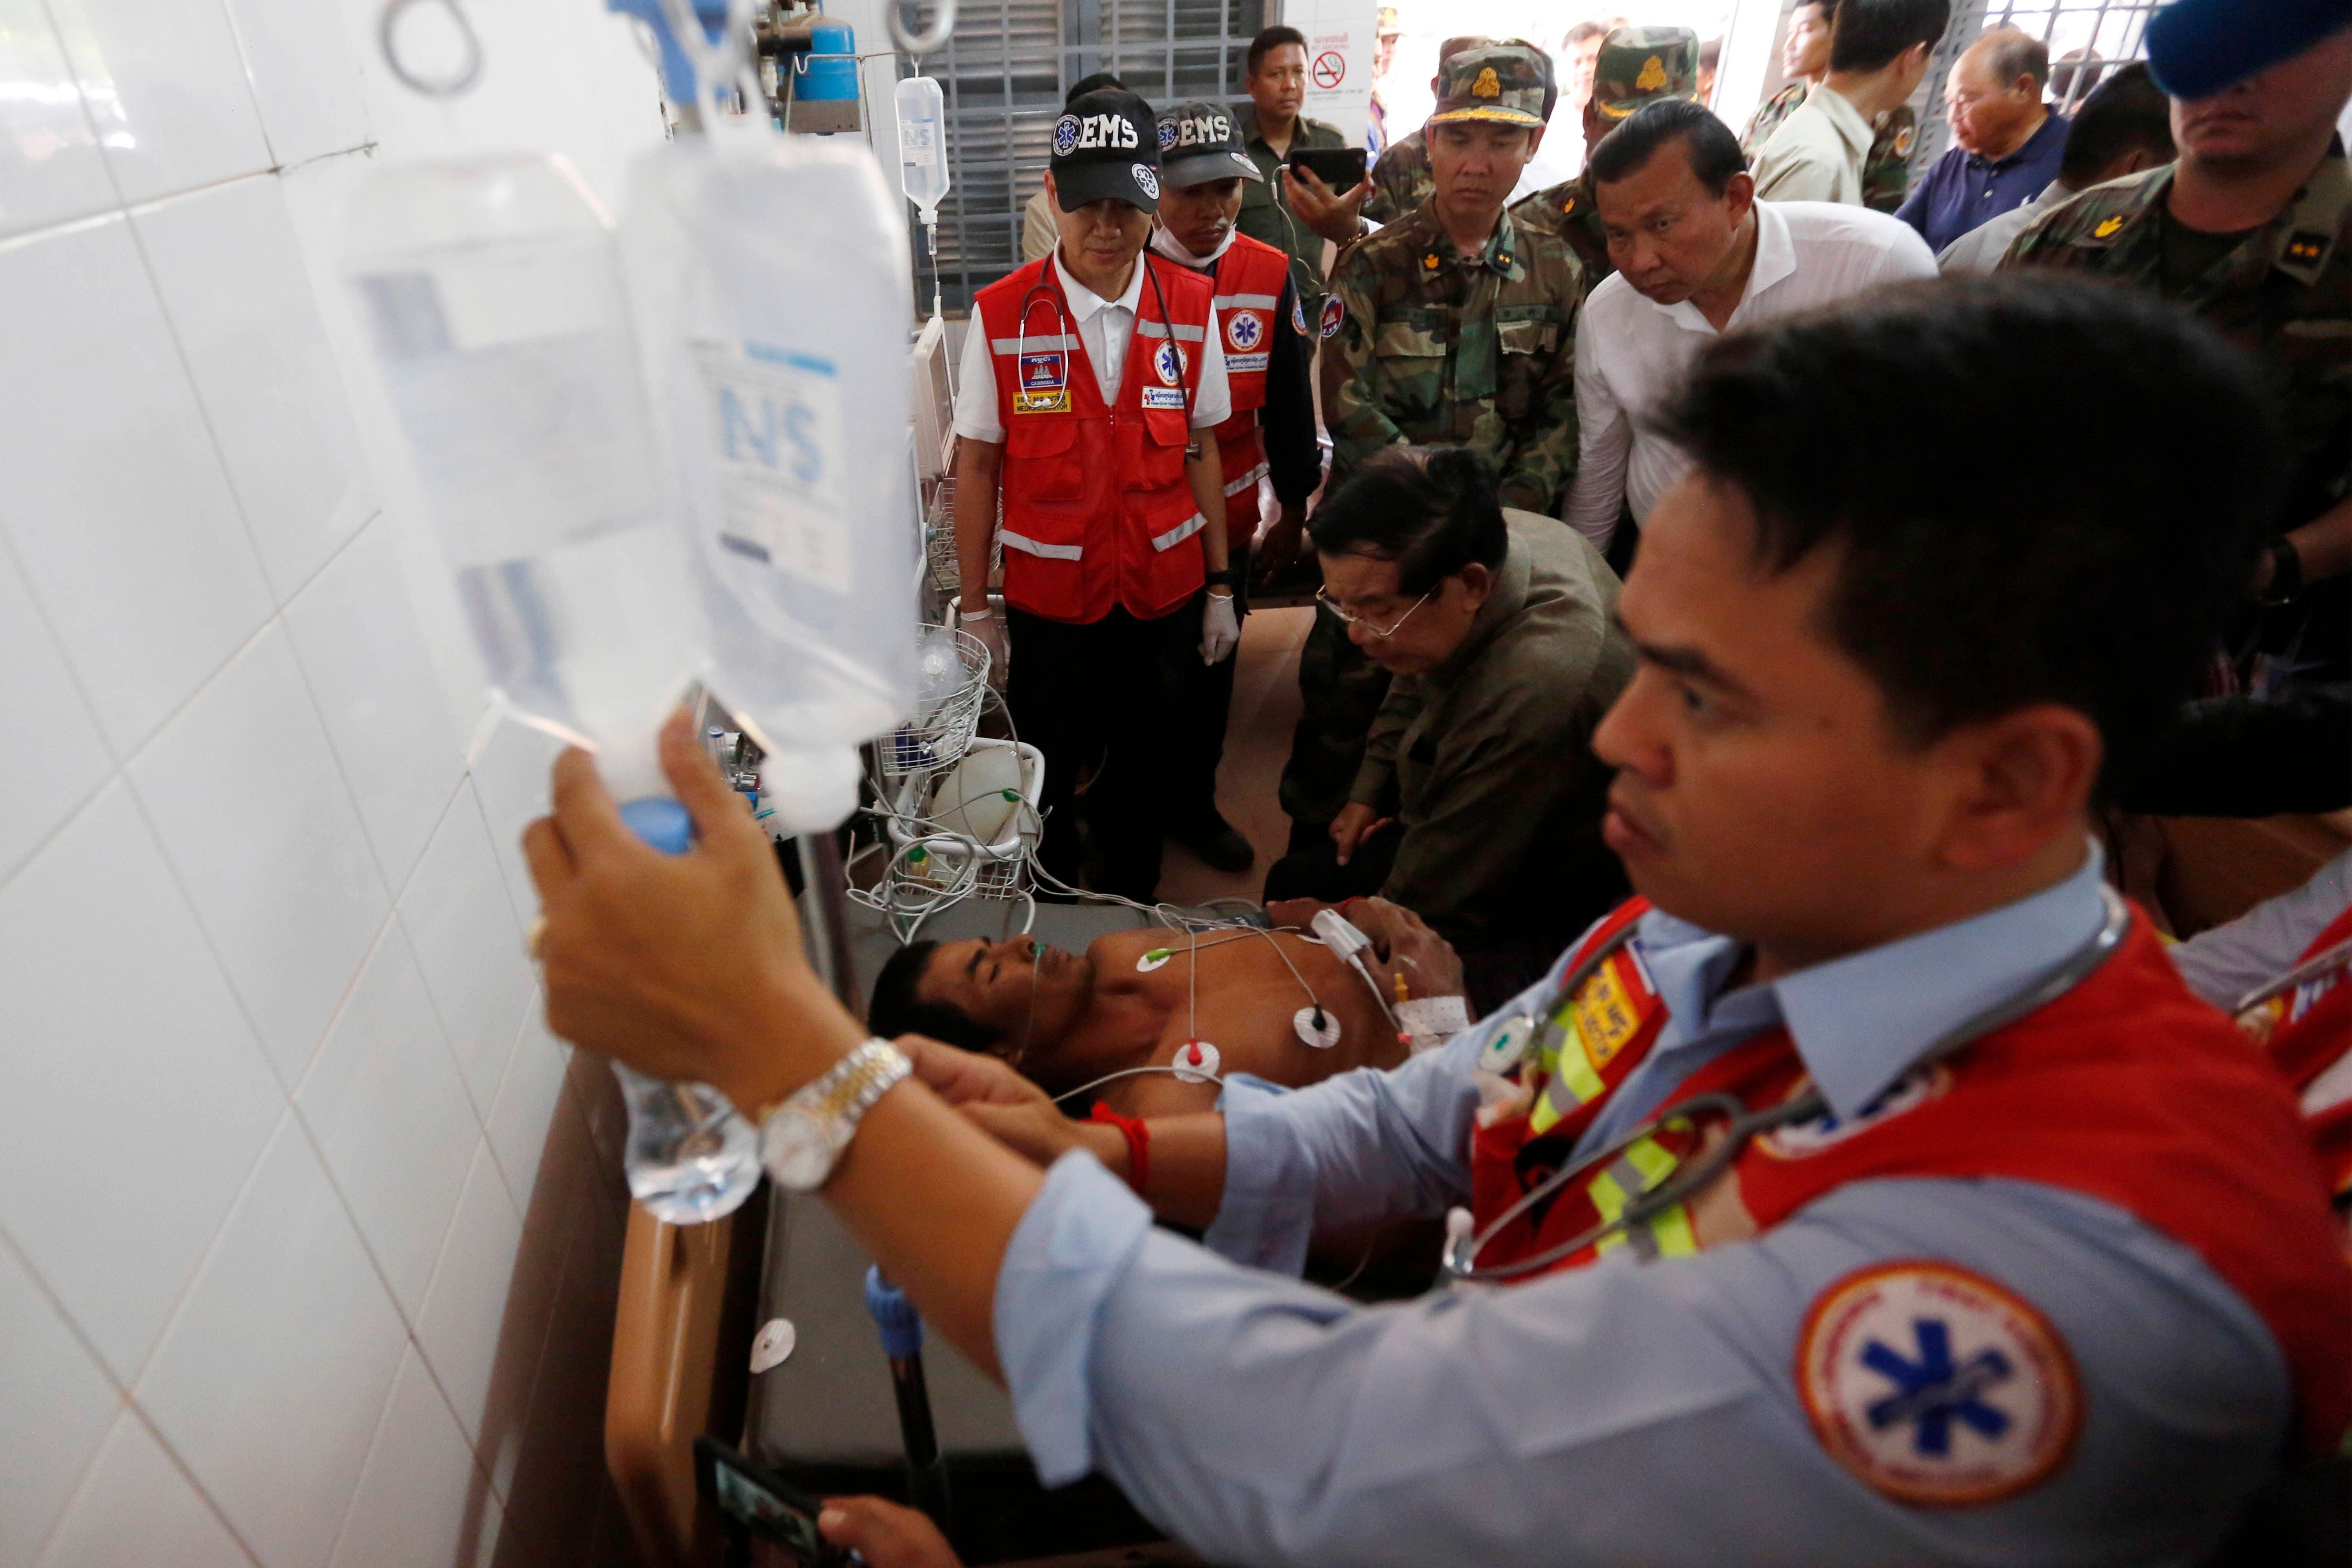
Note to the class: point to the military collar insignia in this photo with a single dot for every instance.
(1429, 261)
(2304, 249)
(2107, 230)
(2309, 231)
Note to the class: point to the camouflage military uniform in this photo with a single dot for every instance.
(1400, 180)
(1885, 168)
(2285, 293)
(1635, 66)
(1437, 350)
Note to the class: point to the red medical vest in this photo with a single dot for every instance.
(1249, 278)
(1097, 513)
(2307, 1031)
(2127, 1090)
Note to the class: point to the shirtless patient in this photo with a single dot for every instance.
(1066, 1019)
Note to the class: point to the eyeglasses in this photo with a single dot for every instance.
(1323, 597)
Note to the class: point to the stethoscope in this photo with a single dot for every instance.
(1069, 339)
(1741, 1125)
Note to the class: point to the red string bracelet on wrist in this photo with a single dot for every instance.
(1139, 1143)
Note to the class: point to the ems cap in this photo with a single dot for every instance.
(2196, 47)
(1199, 142)
(1640, 64)
(1504, 84)
(1104, 146)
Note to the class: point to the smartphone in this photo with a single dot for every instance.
(1341, 168)
(750, 1498)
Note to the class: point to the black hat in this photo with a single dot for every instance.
(1105, 147)
(1199, 143)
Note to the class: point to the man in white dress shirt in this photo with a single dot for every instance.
(1697, 255)
(1878, 57)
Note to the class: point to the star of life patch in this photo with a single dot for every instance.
(1244, 329)
(1166, 364)
(1935, 1386)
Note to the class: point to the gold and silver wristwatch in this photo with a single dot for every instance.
(804, 1136)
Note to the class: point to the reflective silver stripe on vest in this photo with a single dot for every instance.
(1016, 345)
(1160, 330)
(1245, 301)
(1050, 552)
(1237, 486)
(1178, 534)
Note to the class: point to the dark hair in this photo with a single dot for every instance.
(1095, 83)
(2015, 52)
(2092, 563)
(2127, 113)
(1714, 150)
(1828, 8)
(1431, 510)
(1579, 33)
(1271, 40)
(897, 1010)
(1869, 33)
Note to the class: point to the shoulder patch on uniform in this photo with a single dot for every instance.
(1334, 313)
(1935, 1386)
(1298, 315)
(2106, 229)
(1904, 140)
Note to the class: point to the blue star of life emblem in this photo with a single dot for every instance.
(1931, 1393)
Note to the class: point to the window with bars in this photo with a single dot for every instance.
(1005, 72)
(2087, 39)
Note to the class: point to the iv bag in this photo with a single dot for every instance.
(490, 291)
(770, 278)
(923, 143)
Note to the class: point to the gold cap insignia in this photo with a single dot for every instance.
(2106, 230)
(1652, 77)
(1488, 85)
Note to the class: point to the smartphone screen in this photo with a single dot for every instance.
(759, 1503)
(1341, 168)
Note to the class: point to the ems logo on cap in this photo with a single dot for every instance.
(1814, 1134)
(1146, 181)
(1167, 134)
(1066, 135)
(1936, 1386)
(1244, 329)
(1073, 133)
(1168, 364)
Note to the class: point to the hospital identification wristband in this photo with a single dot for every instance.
(1430, 1021)
(1139, 1143)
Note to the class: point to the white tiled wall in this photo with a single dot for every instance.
(309, 1229)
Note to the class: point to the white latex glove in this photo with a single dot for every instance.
(988, 627)
(1221, 628)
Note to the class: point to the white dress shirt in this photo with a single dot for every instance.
(1817, 155)
(1104, 329)
(1632, 352)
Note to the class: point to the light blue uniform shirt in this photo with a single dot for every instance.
(1625, 1411)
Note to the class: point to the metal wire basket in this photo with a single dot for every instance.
(939, 543)
(946, 714)
(933, 862)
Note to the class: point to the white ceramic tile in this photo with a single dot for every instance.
(527, 1104)
(137, 1508)
(55, 1408)
(39, 704)
(244, 792)
(359, 645)
(486, 1313)
(50, 168)
(511, 777)
(232, 283)
(391, 1116)
(272, 1377)
(167, 91)
(302, 76)
(120, 1028)
(421, 1499)
(455, 910)
(114, 498)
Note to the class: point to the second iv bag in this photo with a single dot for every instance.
(772, 276)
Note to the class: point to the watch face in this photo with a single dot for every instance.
(798, 1152)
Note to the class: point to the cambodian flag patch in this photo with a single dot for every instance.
(1936, 1386)
(1334, 314)
(1047, 371)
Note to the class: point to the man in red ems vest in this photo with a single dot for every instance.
(1085, 377)
(1870, 1191)
(1269, 360)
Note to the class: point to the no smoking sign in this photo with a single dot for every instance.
(1330, 69)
